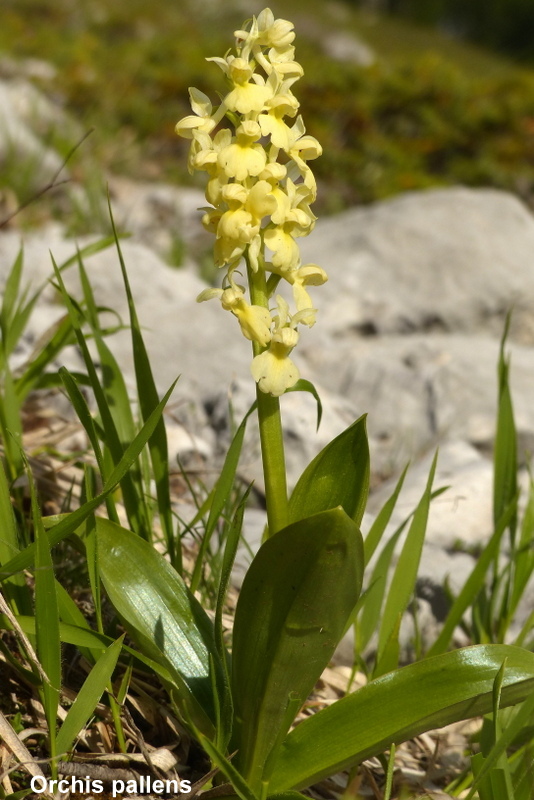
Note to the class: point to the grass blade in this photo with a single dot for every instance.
(89, 695)
(73, 520)
(148, 400)
(405, 575)
(221, 493)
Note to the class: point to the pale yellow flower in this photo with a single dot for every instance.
(247, 95)
(308, 275)
(240, 225)
(244, 157)
(273, 370)
(255, 321)
(272, 122)
(202, 120)
(274, 32)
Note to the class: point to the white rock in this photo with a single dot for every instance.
(422, 389)
(343, 46)
(27, 117)
(183, 337)
(448, 259)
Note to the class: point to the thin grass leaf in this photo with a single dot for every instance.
(524, 553)
(46, 622)
(58, 337)
(11, 427)
(388, 658)
(15, 311)
(70, 614)
(16, 590)
(519, 721)
(473, 585)
(85, 417)
(114, 385)
(73, 520)
(148, 400)
(370, 616)
(91, 549)
(505, 448)
(226, 768)
(82, 637)
(405, 575)
(230, 550)
(87, 698)
(374, 537)
(221, 493)
(10, 294)
(133, 503)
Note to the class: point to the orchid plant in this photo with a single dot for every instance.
(302, 591)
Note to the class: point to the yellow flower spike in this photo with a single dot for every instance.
(273, 370)
(259, 205)
(244, 157)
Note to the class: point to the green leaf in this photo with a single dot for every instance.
(405, 575)
(505, 451)
(15, 588)
(148, 400)
(46, 622)
(303, 385)
(73, 520)
(220, 495)
(294, 604)
(160, 613)
(474, 583)
(337, 476)
(374, 537)
(398, 706)
(87, 698)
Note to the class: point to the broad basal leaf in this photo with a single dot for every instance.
(161, 615)
(398, 706)
(294, 604)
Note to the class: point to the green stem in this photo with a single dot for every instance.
(270, 422)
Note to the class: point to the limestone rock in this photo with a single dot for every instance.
(446, 259)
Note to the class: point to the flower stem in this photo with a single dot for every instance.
(270, 423)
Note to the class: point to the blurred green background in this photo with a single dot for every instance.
(401, 93)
